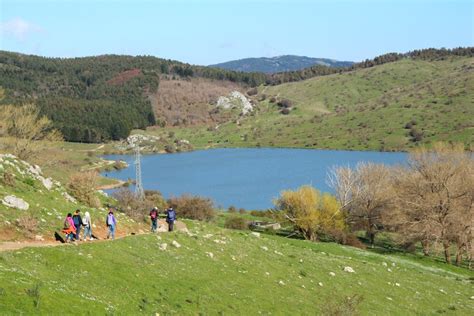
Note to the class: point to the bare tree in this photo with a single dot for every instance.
(24, 129)
(435, 198)
(364, 194)
(344, 182)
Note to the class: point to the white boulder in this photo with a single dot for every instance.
(348, 269)
(14, 202)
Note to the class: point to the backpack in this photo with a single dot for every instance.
(67, 224)
(153, 214)
(171, 216)
(77, 220)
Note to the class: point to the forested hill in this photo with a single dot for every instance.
(94, 99)
(279, 64)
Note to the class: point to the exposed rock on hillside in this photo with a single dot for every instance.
(235, 100)
(14, 202)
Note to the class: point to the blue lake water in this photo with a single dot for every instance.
(248, 178)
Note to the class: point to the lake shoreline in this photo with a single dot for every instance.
(250, 178)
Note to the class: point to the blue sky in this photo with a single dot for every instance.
(211, 31)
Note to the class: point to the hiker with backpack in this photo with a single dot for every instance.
(154, 219)
(77, 223)
(170, 218)
(69, 229)
(87, 226)
(111, 223)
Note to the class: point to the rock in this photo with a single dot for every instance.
(389, 298)
(267, 273)
(47, 182)
(384, 264)
(264, 248)
(235, 99)
(281, 282)
(332, 274)
(210, 254)
(301, 260)
(208, 235)
(389, 270)
(163, 246)
(255, 234)
(397, 284)
(176, 244)
(320, 283)
(68, 197)
(472, 297)
(39, 238)
(348, 269)
(278, 253)
(14, 202)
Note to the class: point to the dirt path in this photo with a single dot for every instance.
(16, 245)
(118, 184)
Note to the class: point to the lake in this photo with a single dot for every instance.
(248, 178)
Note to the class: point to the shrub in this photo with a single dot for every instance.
(272, 100)
(82, 186)
(27, 224)
(130, 204)
(232, 209)
(242, 211)
(119, 165)
(285, 111)
(155, 198)
(416, 135)
(235, 222)
(346, 305)
(311, 212)
(193, 207)
(252, 91)
(285, 103)
(9, 179)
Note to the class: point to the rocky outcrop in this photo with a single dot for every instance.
(15, 202)
(235, 100)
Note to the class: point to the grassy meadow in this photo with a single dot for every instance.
(366, 109)
(217, 271)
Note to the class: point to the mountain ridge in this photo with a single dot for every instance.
(281, 63)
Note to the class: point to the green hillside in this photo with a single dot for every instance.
(394, 106)
(217, 271)
(48, 203)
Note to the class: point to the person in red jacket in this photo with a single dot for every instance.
(154, 219)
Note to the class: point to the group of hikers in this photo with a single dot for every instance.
(74, 223)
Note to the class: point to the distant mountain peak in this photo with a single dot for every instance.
(279, 63)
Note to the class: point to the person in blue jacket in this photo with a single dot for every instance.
(170, 218)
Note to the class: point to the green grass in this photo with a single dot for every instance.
(366, 109)
(132, 275)
(47, 207)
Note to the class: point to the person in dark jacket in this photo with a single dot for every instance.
(77, 223)
(154, 219)
(170, 218)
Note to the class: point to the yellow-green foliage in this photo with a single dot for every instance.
(311, 212)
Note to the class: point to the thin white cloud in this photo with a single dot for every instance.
(18, 28)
